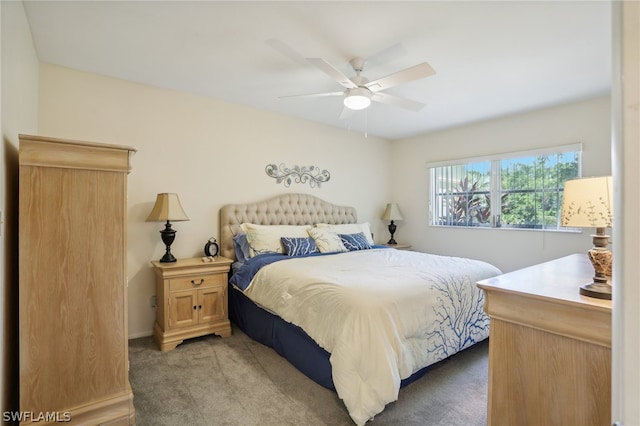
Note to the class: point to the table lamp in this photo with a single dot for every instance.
(588, 203)
(167, 208)
(392, 213)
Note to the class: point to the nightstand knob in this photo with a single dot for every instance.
(195, 283)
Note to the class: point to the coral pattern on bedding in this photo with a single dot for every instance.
(382, 314)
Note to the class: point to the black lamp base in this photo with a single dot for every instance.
(392, 230)
(168, 234)
(168, 257)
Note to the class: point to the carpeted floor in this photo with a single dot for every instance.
(237, 381)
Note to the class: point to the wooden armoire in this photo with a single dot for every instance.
(74, 362)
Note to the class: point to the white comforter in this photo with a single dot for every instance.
(382, 314)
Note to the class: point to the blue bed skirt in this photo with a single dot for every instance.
(287, 339)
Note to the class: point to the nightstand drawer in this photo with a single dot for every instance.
(197, 281)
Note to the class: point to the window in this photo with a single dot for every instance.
(518, 190)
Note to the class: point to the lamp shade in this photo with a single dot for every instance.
(588, 203)
(167, 207)
(392, 212)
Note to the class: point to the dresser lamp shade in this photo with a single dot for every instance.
(588, 203)
(167, 208)
(392, 213)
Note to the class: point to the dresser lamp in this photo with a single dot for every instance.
(588, 203)
(392, 213)
(167, 208)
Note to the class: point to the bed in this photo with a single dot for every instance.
(359, 318)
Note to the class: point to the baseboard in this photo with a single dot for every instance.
(141, 334)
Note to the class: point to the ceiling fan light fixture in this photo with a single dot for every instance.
(357, 98)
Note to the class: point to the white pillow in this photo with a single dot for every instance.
(266, 238)
(326, 241)
(349, 228)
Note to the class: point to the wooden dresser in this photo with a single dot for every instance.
(549, 347)
(73, 283)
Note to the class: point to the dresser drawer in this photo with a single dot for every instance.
(197, 281)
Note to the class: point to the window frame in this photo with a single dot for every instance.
(496, 184)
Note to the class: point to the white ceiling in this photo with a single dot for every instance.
(491, 58)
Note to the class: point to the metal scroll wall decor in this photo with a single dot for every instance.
(298, 174)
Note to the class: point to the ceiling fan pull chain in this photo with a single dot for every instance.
(366, 123)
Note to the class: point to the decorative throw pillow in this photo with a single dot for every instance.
(241, 247)
(355, 242)
(349, 228)
(326, 241)
(266, 238)
(294, 246)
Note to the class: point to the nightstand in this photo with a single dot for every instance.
(191, 300)
(399, 246)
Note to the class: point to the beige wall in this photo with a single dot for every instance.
(586, 121)
(19, 93)
(211, 153)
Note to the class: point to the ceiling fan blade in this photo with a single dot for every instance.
(287, 51)
(313, 95)
(415, 72)
(333, 72)
(388, 99)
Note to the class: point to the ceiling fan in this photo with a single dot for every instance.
(359, 91)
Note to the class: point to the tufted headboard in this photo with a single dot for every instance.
(286, 209)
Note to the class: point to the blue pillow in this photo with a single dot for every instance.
(355, 242)
(298, 246)
(241, 247)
